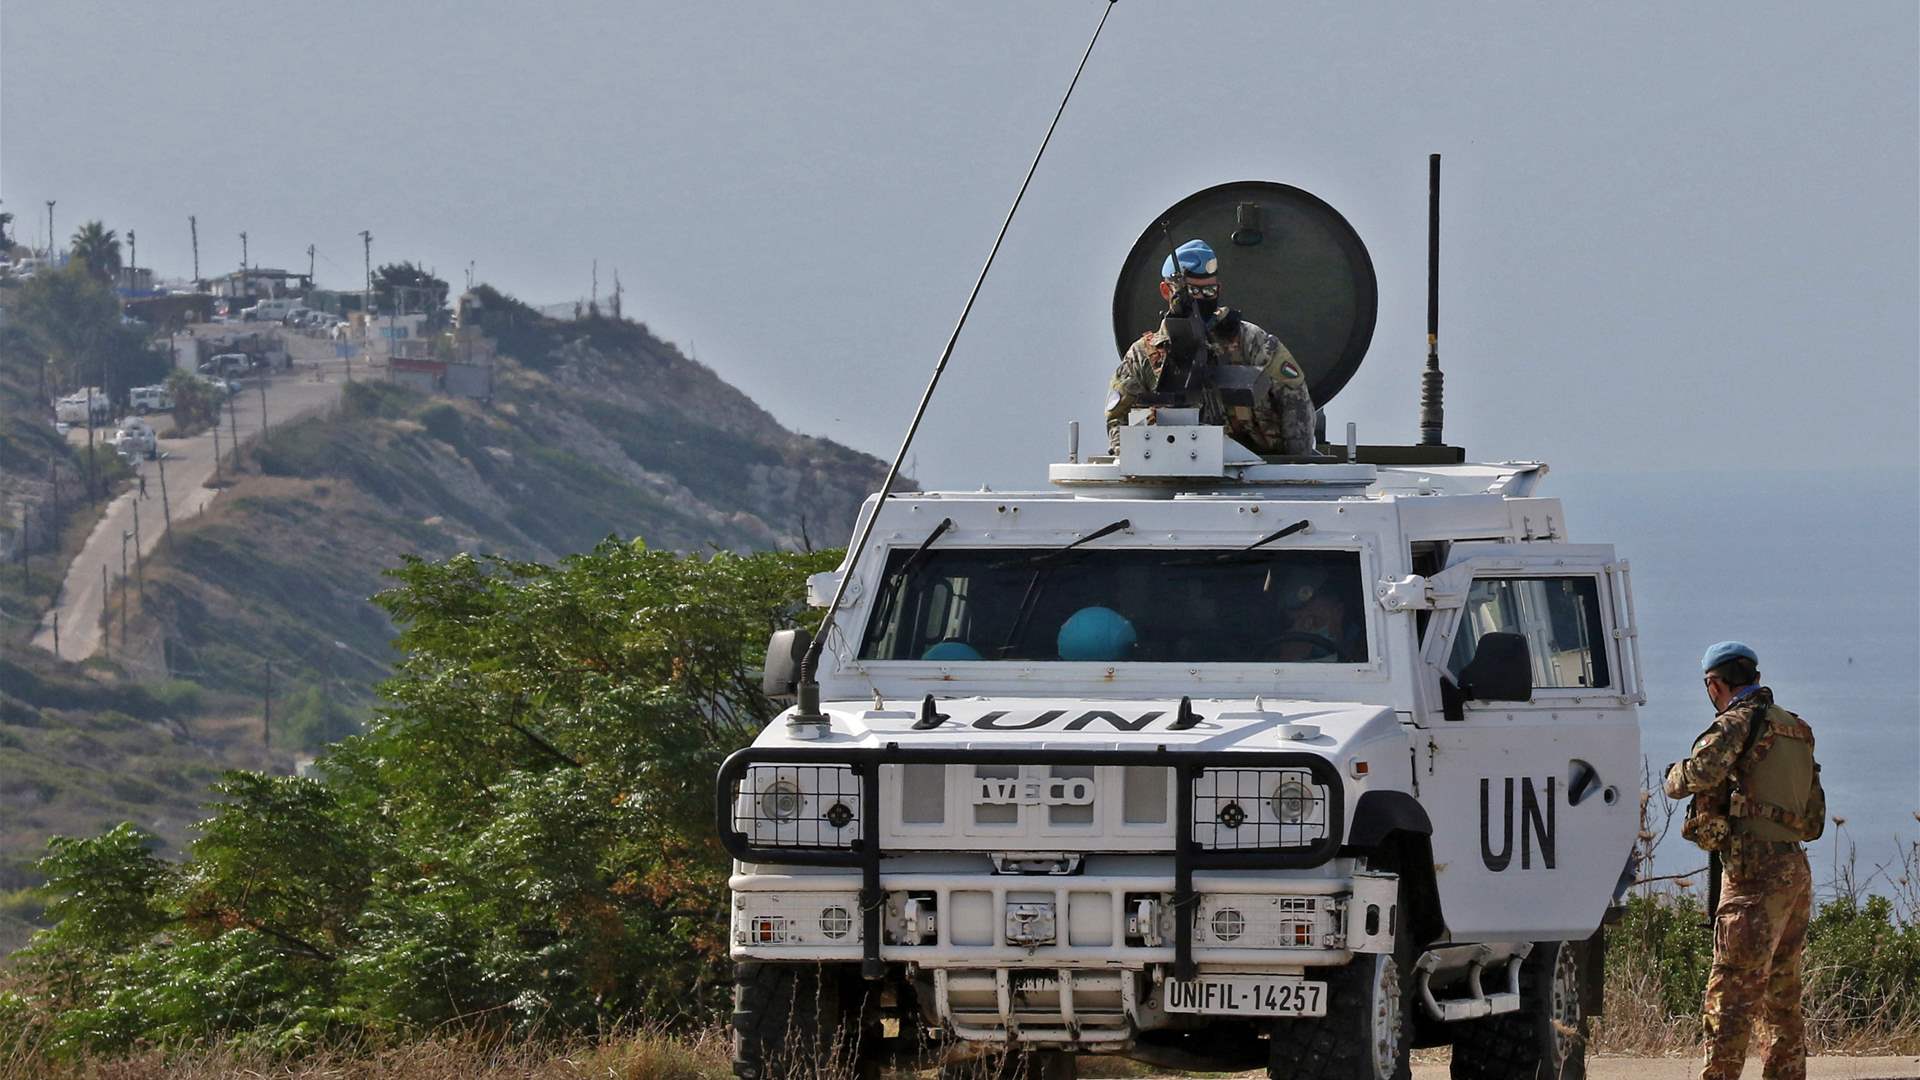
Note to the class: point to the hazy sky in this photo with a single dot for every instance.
(1676, 236)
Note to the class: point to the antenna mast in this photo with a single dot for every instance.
(1432, 383)
(807, 720)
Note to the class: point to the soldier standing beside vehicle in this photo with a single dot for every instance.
(1280, 422)
(1756, 798)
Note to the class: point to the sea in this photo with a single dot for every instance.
(1820, 573)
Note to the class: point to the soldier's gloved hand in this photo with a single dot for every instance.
(1674, 784)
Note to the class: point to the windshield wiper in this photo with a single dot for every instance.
(920, 553)
(1040, 564)
(1045, 557)
(1278, 534)
(897, 582)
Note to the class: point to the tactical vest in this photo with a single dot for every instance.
(1772, 794)
(1776, 793)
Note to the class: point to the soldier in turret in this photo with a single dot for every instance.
(1279, 419)
(1756, 799)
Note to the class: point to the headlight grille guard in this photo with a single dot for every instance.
(1188, 856)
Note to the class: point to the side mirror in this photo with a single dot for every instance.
(1501, 670)
(781, 674)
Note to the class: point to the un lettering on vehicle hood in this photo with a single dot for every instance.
(1332, 729)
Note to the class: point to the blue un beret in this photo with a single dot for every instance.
(1195, 257)
(1725, 651)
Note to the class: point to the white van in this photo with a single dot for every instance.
(269, 310)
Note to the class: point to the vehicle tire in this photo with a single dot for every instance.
(1368, 1030)
(798, 1020)
(1367, 1033)
(1545, 1040)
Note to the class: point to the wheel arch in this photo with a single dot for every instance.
(1393, 831)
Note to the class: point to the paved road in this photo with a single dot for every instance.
(189, 464)
(1688, 1068)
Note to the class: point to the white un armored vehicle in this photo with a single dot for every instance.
(1201, 757)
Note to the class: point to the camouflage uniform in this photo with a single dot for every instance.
(1766, 898)
(1282, 425)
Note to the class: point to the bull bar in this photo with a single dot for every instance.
(865, 852)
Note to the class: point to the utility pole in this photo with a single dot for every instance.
(193, 227)
(366, 246)
(243, 252)
(50, 259)
(166, 511)
(139, 560)
(593, 305)
(616, 294)
(233, 429)
(91, 464)
(216, 449)
(106, 622)
(263, 408)
(309, 264)
(133, 259)
(125, 535)
(56, 631)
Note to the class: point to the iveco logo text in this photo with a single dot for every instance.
(1053, 791)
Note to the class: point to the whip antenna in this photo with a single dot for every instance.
(808, 714)
(1432, 383)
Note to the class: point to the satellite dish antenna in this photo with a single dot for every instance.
(1288, 261)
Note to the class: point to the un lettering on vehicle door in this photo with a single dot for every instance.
(1535, 803)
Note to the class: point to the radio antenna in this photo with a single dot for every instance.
(807, 717)
(1432, 383)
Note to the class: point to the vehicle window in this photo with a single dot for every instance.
(1559, 617)
(1037, 604)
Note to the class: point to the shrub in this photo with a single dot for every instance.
(520, 840)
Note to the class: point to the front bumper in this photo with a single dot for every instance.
(1100, 910)
(1052, 922)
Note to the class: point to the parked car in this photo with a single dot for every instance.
(146, 399)
(136, 437)
(225, 364)
(268, 310)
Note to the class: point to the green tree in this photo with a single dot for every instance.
(315, 719)
(405, 288)
(74, 320)
(6, 237)
(196, 402)
(97, 248)
(521, 838)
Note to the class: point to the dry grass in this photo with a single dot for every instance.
(645, 1055)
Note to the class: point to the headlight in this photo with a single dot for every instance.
(780, 801)
(1293, 802)
(798, 805)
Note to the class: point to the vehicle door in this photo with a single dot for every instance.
(1536, 802)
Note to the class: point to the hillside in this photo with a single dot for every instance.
(596, 428)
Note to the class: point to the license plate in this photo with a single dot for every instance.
(1247, 995)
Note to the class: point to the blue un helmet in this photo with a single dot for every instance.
(1096, 633)
(1725, 651)
(951, 649)
(1196, 258)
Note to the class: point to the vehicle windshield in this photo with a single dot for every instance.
(1088, 604)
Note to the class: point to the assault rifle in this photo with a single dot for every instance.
(1189, 372)
(1721, 798)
